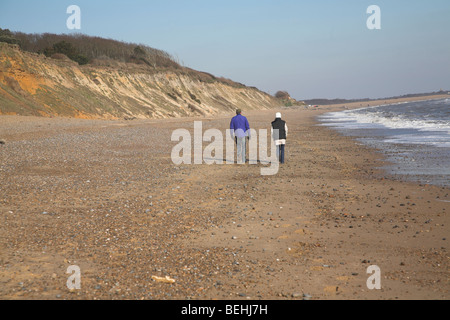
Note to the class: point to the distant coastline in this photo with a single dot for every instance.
(326, 102)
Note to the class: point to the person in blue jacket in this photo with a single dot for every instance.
(240, 130)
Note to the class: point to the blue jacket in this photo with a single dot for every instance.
(239, 126)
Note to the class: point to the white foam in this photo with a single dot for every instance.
(400, 122)
(435, 132)
(376, 119)
(432, 139)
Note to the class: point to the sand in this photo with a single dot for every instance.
(106, 197)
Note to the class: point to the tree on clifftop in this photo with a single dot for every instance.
(67, 49)
(283, 95)
(8, 37)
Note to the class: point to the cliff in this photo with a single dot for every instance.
(32, 84)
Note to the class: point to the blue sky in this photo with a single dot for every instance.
(312, 49)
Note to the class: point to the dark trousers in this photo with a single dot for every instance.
(280, 153)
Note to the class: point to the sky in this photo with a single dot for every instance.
(312, 49)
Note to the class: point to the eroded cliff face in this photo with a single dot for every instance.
(32, 84)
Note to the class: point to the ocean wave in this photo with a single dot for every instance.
(379, 117)
(415, 137)
(430, 139)
(400, 122)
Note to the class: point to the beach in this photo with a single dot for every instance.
(105, 196)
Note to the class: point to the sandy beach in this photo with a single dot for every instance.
(105, 196)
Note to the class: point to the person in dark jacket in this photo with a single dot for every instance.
(240, 130)
(280, 139)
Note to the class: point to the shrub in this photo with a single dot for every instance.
(82, 47)
(59, 56)
(67, 49)
(282, 95)
(8, 37)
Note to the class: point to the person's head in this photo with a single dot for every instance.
(278, 115)
(238, 111)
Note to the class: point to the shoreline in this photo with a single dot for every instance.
(103, 196)
(391, 159)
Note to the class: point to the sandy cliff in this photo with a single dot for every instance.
(32, 84)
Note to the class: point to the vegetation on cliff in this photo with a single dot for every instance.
(90, 77)
(85, 49)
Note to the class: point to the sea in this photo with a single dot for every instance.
(414, 137)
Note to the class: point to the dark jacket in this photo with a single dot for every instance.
(280, 125)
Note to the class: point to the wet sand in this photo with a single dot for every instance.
(105, 196)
